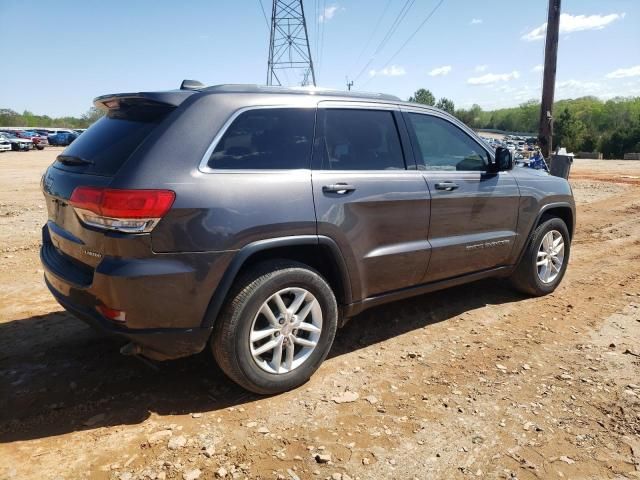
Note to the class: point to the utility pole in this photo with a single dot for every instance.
(349, 84)
(289, 43)
(545, 133)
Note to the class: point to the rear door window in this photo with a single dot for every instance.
(361, 140)
(109, 142)
(266, 139)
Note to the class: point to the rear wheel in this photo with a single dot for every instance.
(277, 328)
(545, 259)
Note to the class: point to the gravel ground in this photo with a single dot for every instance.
(472, 382)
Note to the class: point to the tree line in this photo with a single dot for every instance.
(586, 124)
(11, 118)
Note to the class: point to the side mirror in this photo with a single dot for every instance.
(504, 160)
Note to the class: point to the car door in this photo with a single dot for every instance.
(369, 197)
(474, 213)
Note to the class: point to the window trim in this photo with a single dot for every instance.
(203, 167)
(405, 143)
(461, 127)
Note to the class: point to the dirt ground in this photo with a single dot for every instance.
(472, 382)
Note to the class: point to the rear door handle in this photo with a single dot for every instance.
(447, 186)
(339, 188)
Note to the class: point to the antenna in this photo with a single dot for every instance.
(289, 43)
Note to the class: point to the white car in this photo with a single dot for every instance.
(5, 144)
(17, 143)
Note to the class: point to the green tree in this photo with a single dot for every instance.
(92, 115)
(423, 96)
(568, 131)
(446, 105)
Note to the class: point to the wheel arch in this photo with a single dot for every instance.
(317, 251)
(563, 210)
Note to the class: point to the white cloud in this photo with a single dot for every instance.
(475, 21)
(480, 68)
(328, 13)
(491, 78)
(440, 71)
(392, 71)
(575, 23)
(538, 68)
(579, 88)
(625, 72)
(577, 84)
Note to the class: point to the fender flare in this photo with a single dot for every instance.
(542, 211)
(239, 259)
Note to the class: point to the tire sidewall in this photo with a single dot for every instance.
(244, 319)
(541, 231)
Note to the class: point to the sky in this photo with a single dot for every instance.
(485, 52)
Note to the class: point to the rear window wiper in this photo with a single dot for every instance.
(73, 160)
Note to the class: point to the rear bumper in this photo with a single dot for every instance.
(156, 343)
(165, 297)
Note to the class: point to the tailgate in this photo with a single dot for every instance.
(66, 234)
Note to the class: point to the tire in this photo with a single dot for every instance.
(529, 277)
(39, 147)
(241, 360)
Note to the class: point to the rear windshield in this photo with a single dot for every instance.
(109, 142)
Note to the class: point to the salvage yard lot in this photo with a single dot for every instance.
(474, 381)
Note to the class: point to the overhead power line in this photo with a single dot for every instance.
(392, 29)
(264, 14)
(422, 24)
(374, 31)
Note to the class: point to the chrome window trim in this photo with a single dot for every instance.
(343, 104)
(204, 167)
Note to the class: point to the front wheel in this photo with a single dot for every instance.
(277, 328)
(545, 259)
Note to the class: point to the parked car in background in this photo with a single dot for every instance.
(17, 143)
(79, 130)
(63, 137)
(5, 144)
(39, 141)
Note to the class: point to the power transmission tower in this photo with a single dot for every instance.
(289, 43)
(545, 134)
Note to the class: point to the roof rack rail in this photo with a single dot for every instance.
(251, 88)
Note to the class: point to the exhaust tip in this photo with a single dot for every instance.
(131, 349)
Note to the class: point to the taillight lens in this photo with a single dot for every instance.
(132, 211)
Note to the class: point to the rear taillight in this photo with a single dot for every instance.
(131, 211)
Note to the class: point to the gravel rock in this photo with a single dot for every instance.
(192, 474)
(323, 457)
(177, 442)
(159, 436)
(221, 472)
(346, 397)
(263, 430)
(371, 399)
(209, 451)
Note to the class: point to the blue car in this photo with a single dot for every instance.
(62, 137)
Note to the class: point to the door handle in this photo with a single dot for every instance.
(339, 188)
(446, 186)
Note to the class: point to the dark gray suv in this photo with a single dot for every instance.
(258, 219)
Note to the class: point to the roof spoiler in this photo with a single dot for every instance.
(171, 98)
(191, 85)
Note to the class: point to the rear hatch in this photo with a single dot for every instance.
(73, 246)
